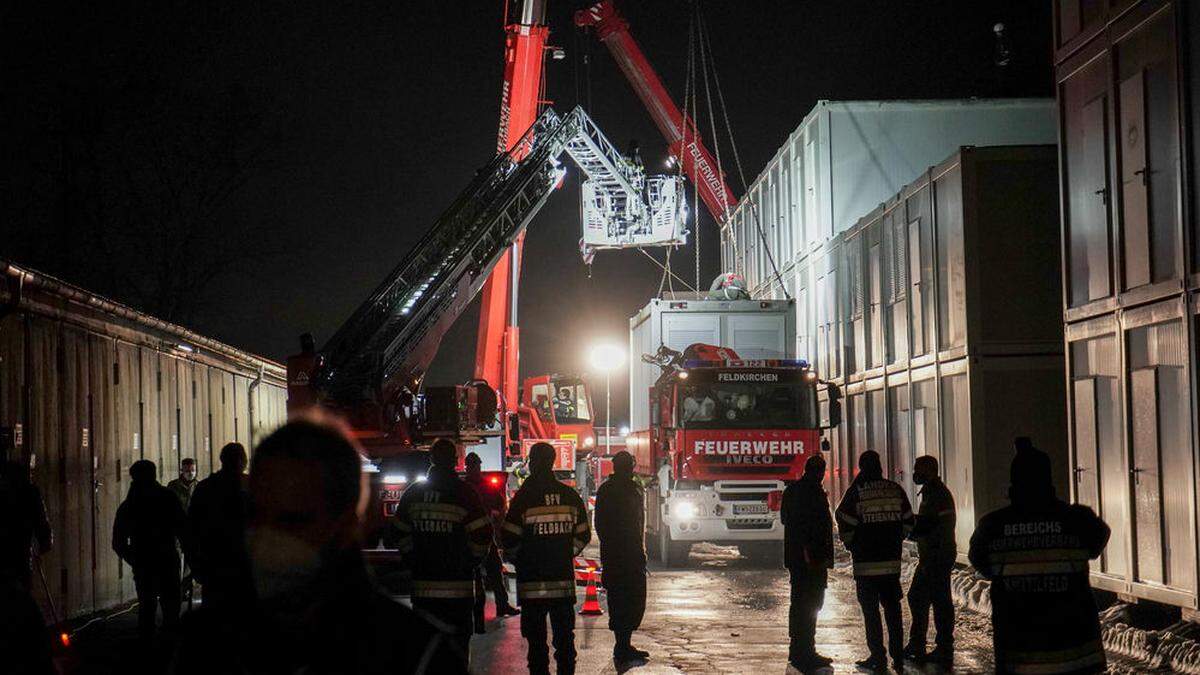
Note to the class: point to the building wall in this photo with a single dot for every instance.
(938, 315)
(847, 157)
(93, 392)
(1124, 74)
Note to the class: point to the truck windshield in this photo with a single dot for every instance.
(748, 406)
(571, 402)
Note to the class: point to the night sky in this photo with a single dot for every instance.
(349, 126)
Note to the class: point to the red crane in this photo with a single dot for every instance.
(683, 139)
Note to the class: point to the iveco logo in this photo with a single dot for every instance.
(747, 377)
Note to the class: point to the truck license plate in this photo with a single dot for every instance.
(747, 509)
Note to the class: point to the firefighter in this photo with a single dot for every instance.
(934, 534)
(873, 519)
(149, 526)
(808, 555)
(23, 521)
(217, 518)
(1036, 552)
(546, 527)
(491, 569)
(445, 533)
(186, 483)
(621, 525)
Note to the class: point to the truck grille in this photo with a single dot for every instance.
(755, 524)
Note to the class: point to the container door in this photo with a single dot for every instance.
(758, 336)
(681, 330)
(1147, 479)
(1084, 106)
(1087, 485)
(875, 260)
(916, 287)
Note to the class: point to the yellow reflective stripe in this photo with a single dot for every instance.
(549, 518)
(437, 512)
(444, 589)
(1054, 567)
(1038, 555)
(541, 510)
(513, 527)
(1050, 662)
(878, 505)
(876, 568)
(546, 589)
(478, 523)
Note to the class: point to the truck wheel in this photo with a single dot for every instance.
(673, 553)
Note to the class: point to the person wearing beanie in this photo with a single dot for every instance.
(491, 570)
(873, 519)
(808, 555)
(621, 525)
(444, 532)
(545, 528)
(1035, 551)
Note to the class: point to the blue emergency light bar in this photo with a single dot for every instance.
(747, 363)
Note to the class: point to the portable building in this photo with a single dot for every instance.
(1131, 281)
(848, 156)
(89, 386)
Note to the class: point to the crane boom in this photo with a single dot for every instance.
(683, 139)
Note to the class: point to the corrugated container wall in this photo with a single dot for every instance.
(938, 313)
(848, 156)
(1131, 273)
(93, 387)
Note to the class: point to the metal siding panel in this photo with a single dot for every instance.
(150, 436)
(202, 434)
(127, 408)
(185, 404)
(951, 263)
(77, 532)
(12, 370)
(1147, 474)
(957, 465)
(45, 437)
(106, 493)
(241, 398)
(168, 415)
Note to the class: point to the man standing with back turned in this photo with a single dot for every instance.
(934, 533)
(873, 520)
(1036, 552)
(808, 555)
(546, 527)
(621, 524)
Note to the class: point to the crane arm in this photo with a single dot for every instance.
(683, 139)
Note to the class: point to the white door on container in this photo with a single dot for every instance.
(1147, 483)
(681, 330)
(759, 336)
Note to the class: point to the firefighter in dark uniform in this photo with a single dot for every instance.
(490, 570)
(1036, 553)
(444, 532)
(937, 550)
(873, 520)
(808, 555)
(621, 526)
(546, 527)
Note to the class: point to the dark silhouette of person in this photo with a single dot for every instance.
(490, 573)
(545, 528)
(149, 526)
(808, 556)
(621, 525)
(937, 551)
(444, 534)
(24, 640)
(316, 608)
(24, 529)
(186, 483)
(217, 517)
(1036, 552)
(873, 519)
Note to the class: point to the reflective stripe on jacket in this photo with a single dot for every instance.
(444, 533)
(545, 528)
(873, 519)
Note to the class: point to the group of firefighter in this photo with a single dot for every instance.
(1035, 552)
(450, 527)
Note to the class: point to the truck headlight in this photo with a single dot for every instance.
(685, 510)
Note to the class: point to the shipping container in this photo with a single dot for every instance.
(87, 387)
(758, 329)
(848, 156)
(939, 313)
(1130, 195)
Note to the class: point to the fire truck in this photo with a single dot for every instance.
(722, 425)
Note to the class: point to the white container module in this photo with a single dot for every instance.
(847, 157)
(755, 329)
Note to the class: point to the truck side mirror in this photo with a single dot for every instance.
(835, 406)
(514, 427)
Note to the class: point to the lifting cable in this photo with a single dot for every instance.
(709, 64)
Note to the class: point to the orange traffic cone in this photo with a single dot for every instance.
(591, 601)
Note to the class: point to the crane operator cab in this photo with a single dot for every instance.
(558, 407)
